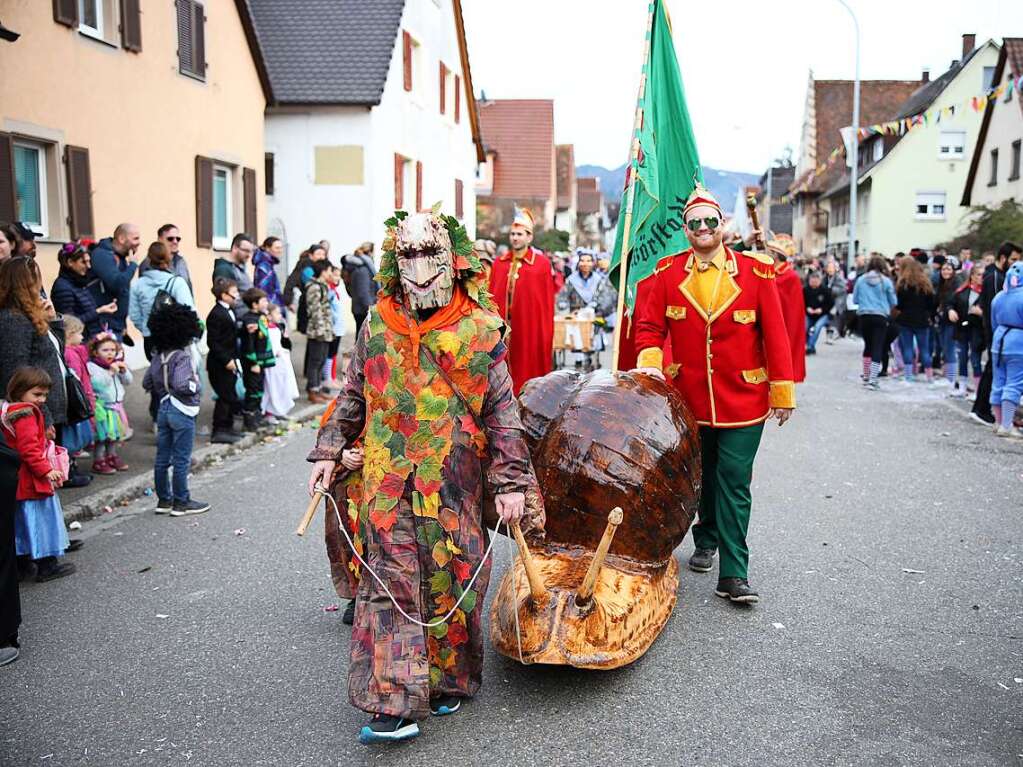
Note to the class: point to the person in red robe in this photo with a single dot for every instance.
(790, 291)
(522, 283)
(628, 353)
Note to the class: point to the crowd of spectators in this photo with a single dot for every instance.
(950, 322)
(64, 373)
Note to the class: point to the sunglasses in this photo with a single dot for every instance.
(694, 224)
(173, 239)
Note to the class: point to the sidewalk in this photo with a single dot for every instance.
(139, 452)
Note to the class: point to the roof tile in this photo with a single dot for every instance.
(327, 51)
(521, 132)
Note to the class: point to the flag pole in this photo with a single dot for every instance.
(623, 265)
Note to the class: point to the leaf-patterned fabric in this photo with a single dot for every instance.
(415, 509)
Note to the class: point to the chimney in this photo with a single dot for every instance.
(925, 77)
(969, 41)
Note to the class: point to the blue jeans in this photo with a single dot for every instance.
(175, 437)
(814, 328)
(947, 344)
(969, 353)
(922, 336)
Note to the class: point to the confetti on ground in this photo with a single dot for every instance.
(162, 616)
(76, 525)
(331, 609)
(778, 625)
(1003, 686)
(911, 571)
(240, 531)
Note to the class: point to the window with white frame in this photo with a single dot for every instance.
(30, 176)
(952, 144)
(99, 19)
(988, 79)
(223, 204)
(930, 206)
(877, 151)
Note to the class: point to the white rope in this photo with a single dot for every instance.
(493, 539)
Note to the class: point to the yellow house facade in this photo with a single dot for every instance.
(126, 111)
(911, 186)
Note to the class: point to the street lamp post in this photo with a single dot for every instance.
(855, 158)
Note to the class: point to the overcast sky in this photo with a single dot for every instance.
(744, 63)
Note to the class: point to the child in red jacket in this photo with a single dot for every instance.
(39, 520)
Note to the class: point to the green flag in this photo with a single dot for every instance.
(667, 168)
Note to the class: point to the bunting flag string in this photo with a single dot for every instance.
(903, 125)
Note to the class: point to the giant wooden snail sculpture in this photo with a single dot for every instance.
(618, 462)
(596, 592)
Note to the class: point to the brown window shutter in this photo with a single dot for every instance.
(8, 189)
(185, 18)
(459, 202)
(458, 98)
(131, 26)
(406, 47)
(199, 40)
(419, 185)
(79, 191)
(204, 202)
(66, 12)
(249, 190)
(399, 167)
(443, 89)
(268, 173)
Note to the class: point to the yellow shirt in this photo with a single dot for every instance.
(708, 284)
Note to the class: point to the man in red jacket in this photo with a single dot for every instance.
(522, 283)
(731, 363)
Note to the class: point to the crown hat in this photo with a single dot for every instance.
(782, 244)
(523, 218)
(701, 196)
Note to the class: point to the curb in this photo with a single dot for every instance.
(92, 506)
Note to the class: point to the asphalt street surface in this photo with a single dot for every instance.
(885, 543)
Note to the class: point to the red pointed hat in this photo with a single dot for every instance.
(701, 196)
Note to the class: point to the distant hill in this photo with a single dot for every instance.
(723, 184)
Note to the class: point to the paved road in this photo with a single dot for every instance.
(186, 641)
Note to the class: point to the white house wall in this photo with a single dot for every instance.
(409, 124)
(914, 165)
(1005, 127)
(302, 212)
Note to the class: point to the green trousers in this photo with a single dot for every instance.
(726, 501)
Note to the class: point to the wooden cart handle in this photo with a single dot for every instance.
(307, 518)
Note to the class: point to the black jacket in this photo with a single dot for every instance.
(970, 326)
(916, 309)
(221, 338)
(70, 294)
(994, 278)
(818, 298)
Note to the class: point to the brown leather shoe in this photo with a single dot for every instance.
(317, 398)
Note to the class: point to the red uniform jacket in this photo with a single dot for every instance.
(530, 296)
(733, 366)
(793, 306)
(29, 440)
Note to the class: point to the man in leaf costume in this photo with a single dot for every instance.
(428, 397)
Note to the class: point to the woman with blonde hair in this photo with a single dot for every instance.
(916, 304)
